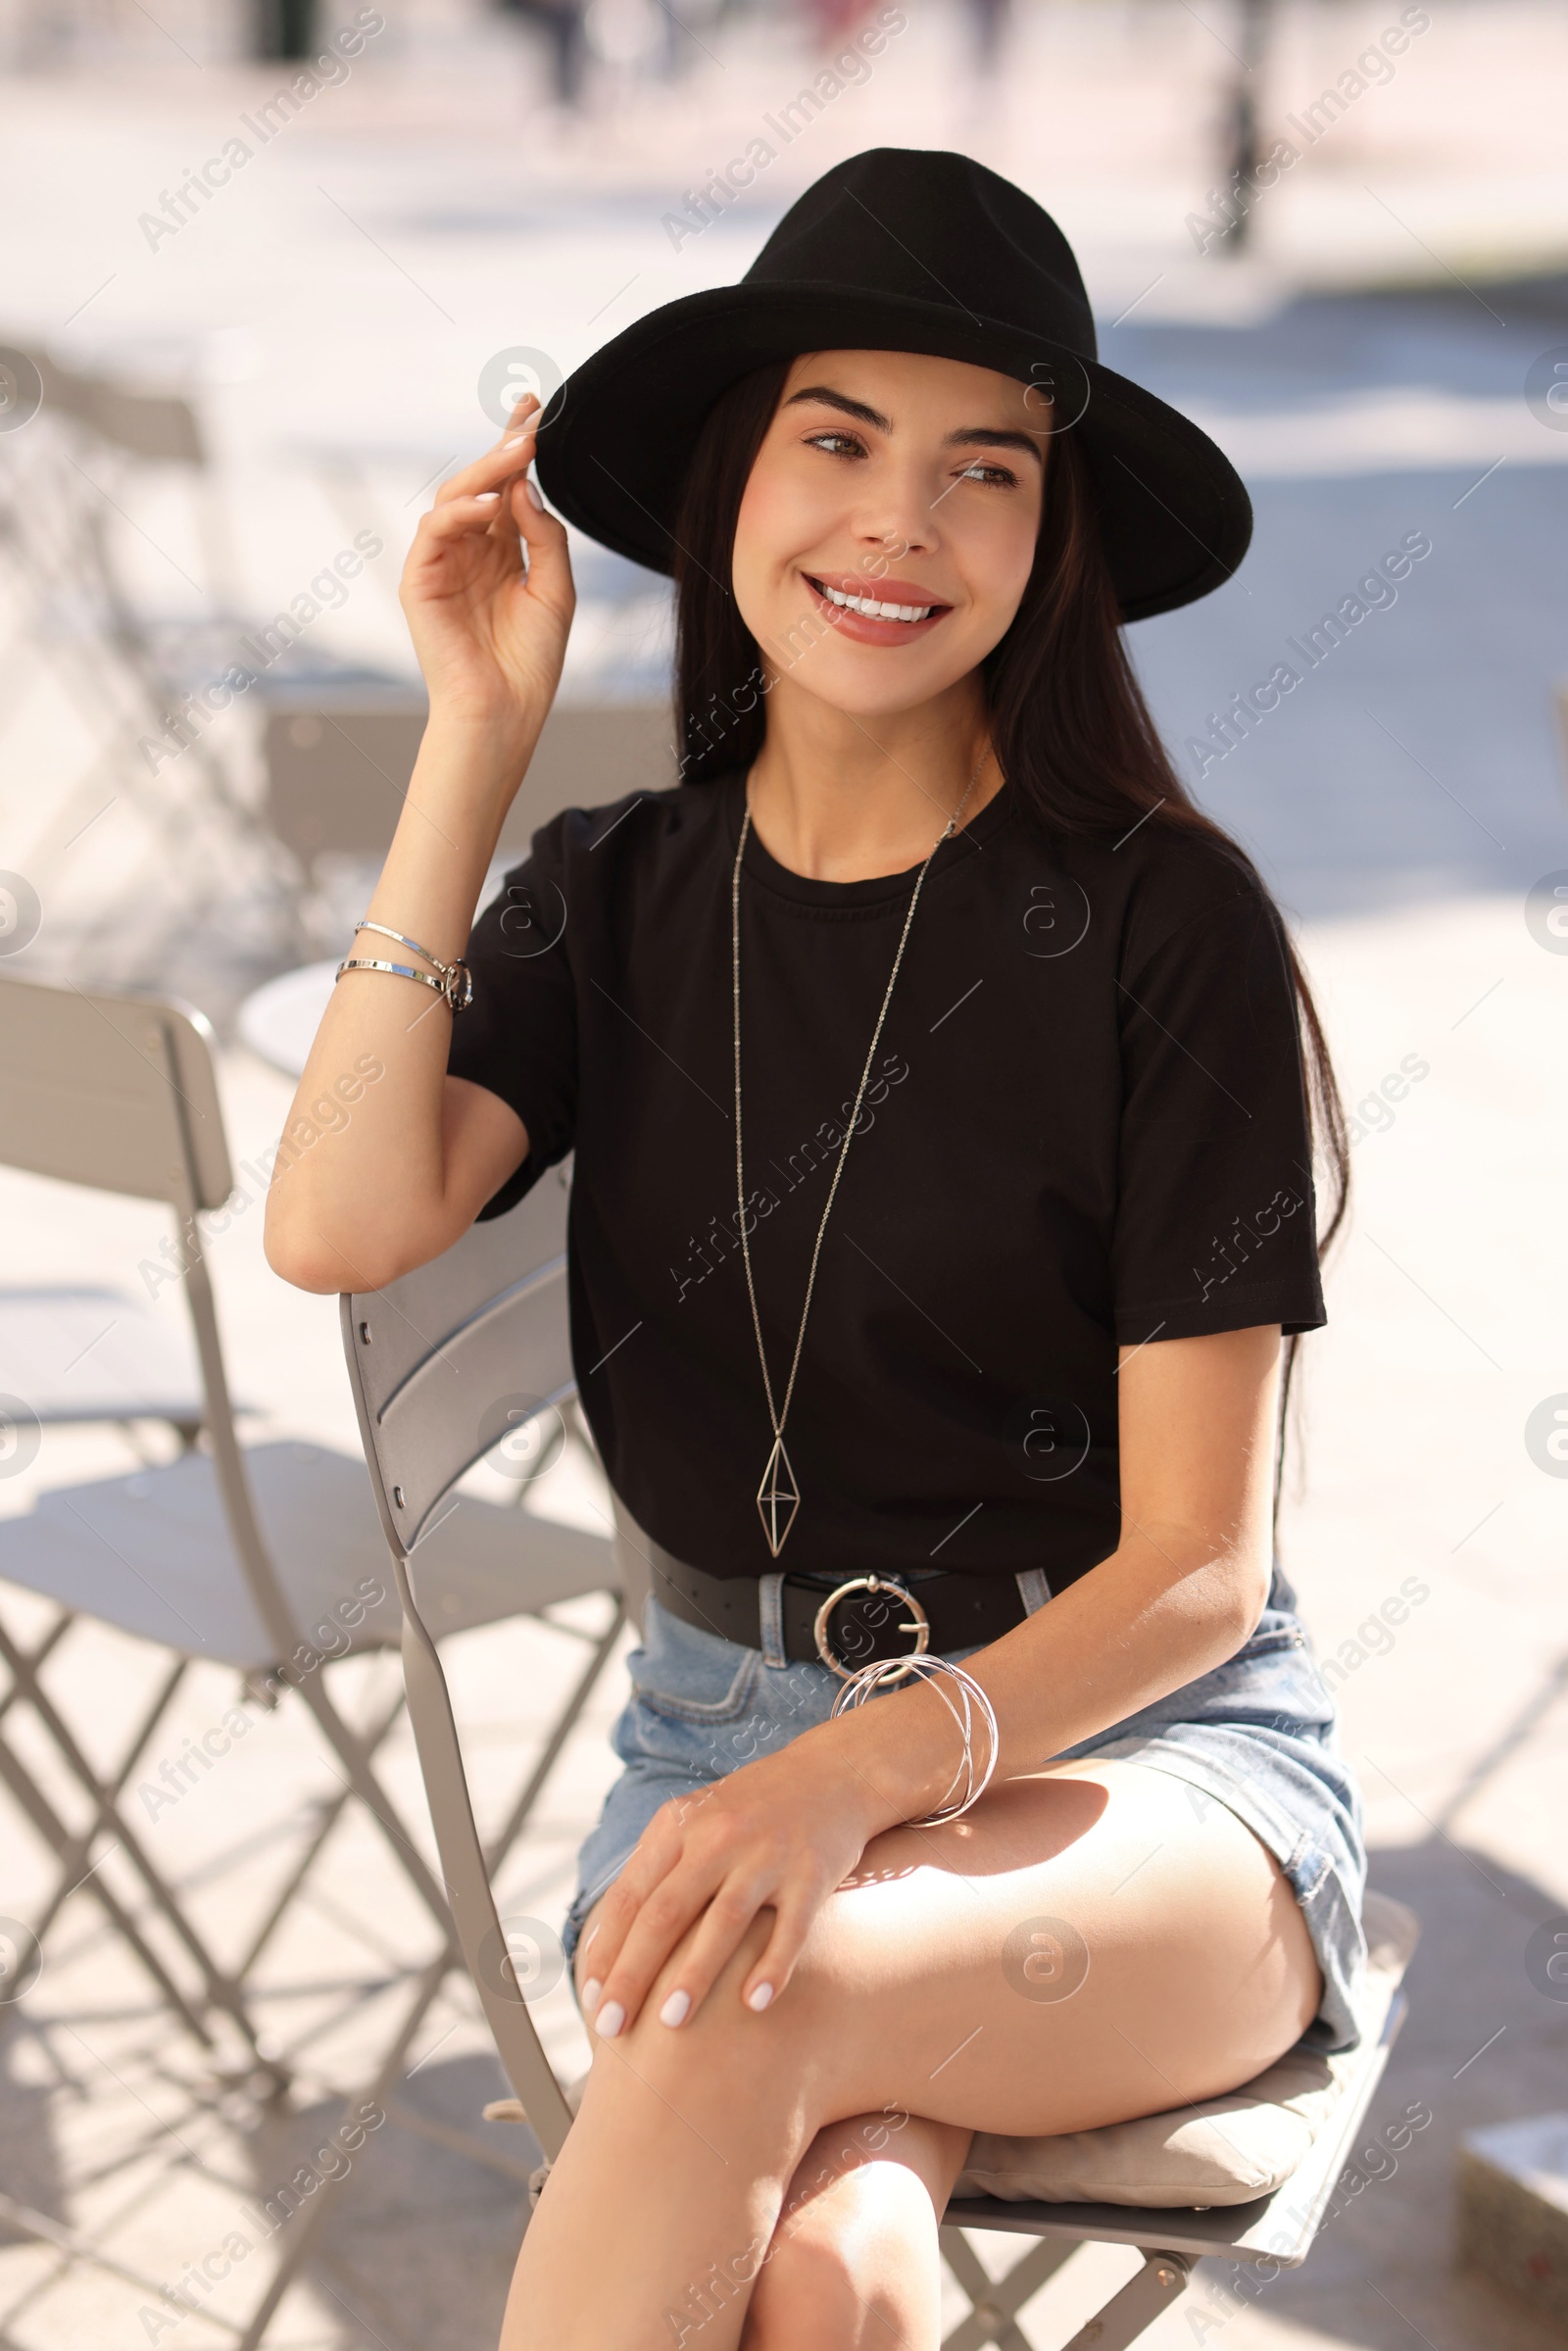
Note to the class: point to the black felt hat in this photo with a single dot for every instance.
(899, 249)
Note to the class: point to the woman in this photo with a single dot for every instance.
(928, 888)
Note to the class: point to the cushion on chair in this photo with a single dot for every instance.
(1222, 2151)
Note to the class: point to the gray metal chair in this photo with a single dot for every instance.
(74, 500)
(244, 1555)
(419, 1410)
(503, 1361)
(338, 761)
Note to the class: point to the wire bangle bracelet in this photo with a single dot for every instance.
(456, 982)
(885, 1672)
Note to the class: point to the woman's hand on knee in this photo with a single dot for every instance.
(774, 1837)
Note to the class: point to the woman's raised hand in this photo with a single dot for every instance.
(489, 623)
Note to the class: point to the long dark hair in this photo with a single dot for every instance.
(1072, 732)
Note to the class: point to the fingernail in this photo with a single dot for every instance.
(760, 1997)
(486, 497)
(534, 499)
(590, 1993)
(676, 2008)
(610, 2019)
(516, 441)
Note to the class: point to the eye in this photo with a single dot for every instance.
(837, 443)
(980, 470)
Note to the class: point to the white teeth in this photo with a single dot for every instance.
(874, 611)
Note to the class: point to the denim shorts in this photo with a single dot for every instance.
(1257, 1734)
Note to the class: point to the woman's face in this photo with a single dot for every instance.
(887, 479)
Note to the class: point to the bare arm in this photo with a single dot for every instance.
(1181, 1592)
(1186, 1584)
(385, 1160)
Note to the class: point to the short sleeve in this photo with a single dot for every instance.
(1215, 1222)
(518, 1036)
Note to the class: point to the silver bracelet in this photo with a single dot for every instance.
(456, 982)
(868, 1679)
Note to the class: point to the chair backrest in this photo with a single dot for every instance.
(338, 763)
(117, 1091)
(120, 1093)
(159, 426)
(442, 1362)
(448, 1359)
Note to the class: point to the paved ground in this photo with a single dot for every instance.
(1405, 800)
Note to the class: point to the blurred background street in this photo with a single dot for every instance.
(233, 388)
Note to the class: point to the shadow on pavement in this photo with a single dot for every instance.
(417, 2250)
(1381, 2273)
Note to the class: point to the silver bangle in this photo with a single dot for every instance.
(456, 982)
(885, 1671)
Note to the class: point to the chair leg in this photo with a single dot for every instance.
(354, 1756)
(357, 1750)
(1160, 2281)
(52, 1829)
(332, 1813)
(460, 2143)
(528, 1795)
(222, 1993)
(303, 2228)
(996, 2300)
(70, 1874)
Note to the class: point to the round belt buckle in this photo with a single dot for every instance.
(920, 1624)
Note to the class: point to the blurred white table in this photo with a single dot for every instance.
(279, 1021)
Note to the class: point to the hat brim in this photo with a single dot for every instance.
(617, 437)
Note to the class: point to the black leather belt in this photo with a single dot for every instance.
(845, 1621)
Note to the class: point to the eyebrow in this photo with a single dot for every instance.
(969, 436)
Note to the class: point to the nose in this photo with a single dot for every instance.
(898, 516)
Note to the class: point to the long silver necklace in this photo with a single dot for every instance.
(778, 1496)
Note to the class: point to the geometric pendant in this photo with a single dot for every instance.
(777, 1498)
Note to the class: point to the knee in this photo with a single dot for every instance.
(844, 2266)
(807, 2294)
(797, 2021)
(722, 2053)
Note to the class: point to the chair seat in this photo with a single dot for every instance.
(84, 1354)
(151, 1554)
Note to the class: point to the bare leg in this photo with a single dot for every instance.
(1092, 1942)
(855, 2264)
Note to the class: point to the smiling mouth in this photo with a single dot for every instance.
(870, 609)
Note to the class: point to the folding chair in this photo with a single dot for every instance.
(247, 1556)
(339, 756)
(59, 504)
(503, 1361)
(416, 1428)
(184, 829)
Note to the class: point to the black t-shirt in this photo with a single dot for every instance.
(1086, 1127)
